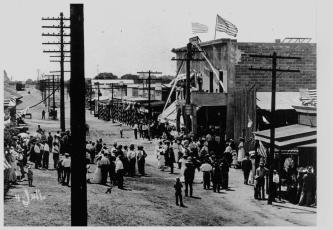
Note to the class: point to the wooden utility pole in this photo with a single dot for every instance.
(53, 92)
(78, 119)
(188, 58)
(61, 34)
(149, 89)
(62, 77)
(97, 100)
(273, 70)
(112, 117)
(53, 87)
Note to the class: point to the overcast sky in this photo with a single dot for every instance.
(129, 36)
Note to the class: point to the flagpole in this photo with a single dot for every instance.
(215, 28)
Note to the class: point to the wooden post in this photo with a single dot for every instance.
(78, 121)
(62, 85)
(53, 87)
(188, 86)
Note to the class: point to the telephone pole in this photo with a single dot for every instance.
(54, 88)
(188, 58)
(78, 119)
(149, 89)
(273, 70)
(61, 35)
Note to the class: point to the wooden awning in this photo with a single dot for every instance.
(288, 137)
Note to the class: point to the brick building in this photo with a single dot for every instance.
(230, 109)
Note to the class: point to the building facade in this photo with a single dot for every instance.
(232, 62)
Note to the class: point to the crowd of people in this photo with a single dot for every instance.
(186, 152)
(143, 127)
(115, 162)
(214, 160)
(25, 151)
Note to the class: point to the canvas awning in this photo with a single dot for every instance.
(288, 137)
(101, 98)
(284, 100)
(170, 115)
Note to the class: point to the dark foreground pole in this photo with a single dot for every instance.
(78, 120)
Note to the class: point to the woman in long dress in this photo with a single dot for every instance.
(241, 150)
(160, 156)
(13, 163)
(97, 179)
(234, 163)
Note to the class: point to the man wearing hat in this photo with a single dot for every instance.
(260, 181)
(141, 155)
(189, 172)
(308, 188)
(206, 169)
(246, 167)
(104, 165)
(132, 160)
(169, 156)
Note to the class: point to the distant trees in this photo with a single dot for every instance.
(29, 81)
(167, 78)
(106, 76)
(130, 76)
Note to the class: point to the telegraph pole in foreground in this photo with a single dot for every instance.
(273, 70)
(149, 88)
(78, 119)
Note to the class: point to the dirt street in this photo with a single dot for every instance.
(147, 200)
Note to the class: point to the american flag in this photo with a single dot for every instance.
(262, 149)
(199, 28)
(225, 26)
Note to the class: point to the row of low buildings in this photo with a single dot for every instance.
(128, 92)
(11, 99)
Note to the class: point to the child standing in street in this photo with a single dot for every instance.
(30, 176)
(178, 188)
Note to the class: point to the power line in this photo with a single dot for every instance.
(149, 72)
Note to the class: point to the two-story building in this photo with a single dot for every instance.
(231, 108)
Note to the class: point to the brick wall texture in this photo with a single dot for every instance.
(285, 81)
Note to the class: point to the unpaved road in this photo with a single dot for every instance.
(148, 200)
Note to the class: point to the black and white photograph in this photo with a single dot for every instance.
(160, 113)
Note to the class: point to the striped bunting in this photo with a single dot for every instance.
(262, 149)
(199, 28)
(308, 97)
(225, 26)
(6, 165)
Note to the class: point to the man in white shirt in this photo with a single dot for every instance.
(206, 168)
(119, 172)
(66, 163)
(131, 155)
(46, 153)
(135, 128)
(37, 155)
